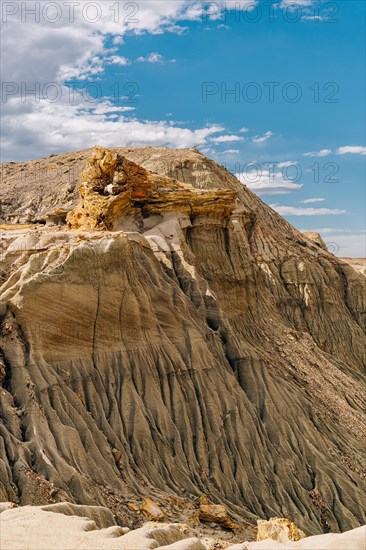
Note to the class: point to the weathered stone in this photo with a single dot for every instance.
(215, 513)
(280, 529)
(316, 238)
(117, 455)
(129, 189)
(132, 506)
(57, 217)
(151, 509)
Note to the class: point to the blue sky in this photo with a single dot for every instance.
(292, 129)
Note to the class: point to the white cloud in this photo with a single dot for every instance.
(328, 230)
(118, 40)
(243, 130)
(305, 10)
(310, 201)
(347, 246)
(266, 182)
(321, 153)
(154, 57)
(106, 107)
(79, 51)
(293, 4)
(300, 211)
(313, 18)
(356, 150)
(286, 164)
(226, 139)
(78, 38)
(261, 139)
(33, 130)
(118, 60)
(208, 151)
(353, 149)
(285, 3)
(248, 5)
(231, 152)
(27, 57)
(195, 12)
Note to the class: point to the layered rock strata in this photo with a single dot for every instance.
(114, 188)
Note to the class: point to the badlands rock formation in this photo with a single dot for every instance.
(31, 191)
(180, 340)
(115, 190)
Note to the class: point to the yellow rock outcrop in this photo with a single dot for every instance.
(114, 187)
(280, 529)
(151, 509)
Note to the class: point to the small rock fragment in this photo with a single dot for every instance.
(56, 217)
(133, 507)
(117, 454)
(215, 513)
(151, 509)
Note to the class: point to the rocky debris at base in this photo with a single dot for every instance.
(151, 509)
(215, 513)
(39, 528)
(56, 217)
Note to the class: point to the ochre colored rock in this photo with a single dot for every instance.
(132, 506)
(117, 455)
(115, 187)
(280, 529)
(215, 513)
(151, 509)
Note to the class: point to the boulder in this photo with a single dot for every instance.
(280, 529)
(151, 509)
(316, 238)
(56, 217)
(215, 513)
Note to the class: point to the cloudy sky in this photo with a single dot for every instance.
(274, 90)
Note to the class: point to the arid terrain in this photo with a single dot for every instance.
(167, 337)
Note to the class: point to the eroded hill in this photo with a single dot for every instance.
(177, 353)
